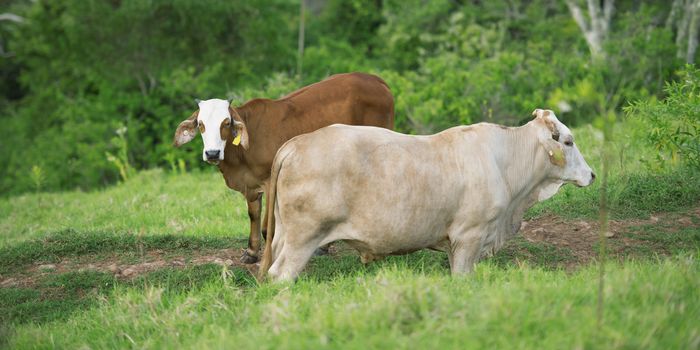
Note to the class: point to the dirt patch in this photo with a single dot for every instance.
(579, 238)
(149, 261)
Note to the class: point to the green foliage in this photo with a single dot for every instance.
(351, 22)
(81, 69)
(674, 123)
(37, 177)
(90, 67)
(121, 159)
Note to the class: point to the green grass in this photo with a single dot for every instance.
(152, 203)
(658, 241)
(544, 255)
(58, 296)
(634, 195)
(648, 305)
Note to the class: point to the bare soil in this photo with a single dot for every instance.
(581, 237)
(149, 261)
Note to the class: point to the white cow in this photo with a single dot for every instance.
(462, 191)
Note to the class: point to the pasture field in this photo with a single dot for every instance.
(153, 263)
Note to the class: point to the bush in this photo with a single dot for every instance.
(674, 123)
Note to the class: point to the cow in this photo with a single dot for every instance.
(462, 191)
(243, 141)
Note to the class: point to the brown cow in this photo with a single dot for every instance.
(243, 141)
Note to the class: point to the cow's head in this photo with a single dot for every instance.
(567, 163)
(218, 123)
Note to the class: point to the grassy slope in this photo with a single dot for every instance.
(404, 301)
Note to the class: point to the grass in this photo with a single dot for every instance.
(542, 254)
(520, 298)
(633, 195)
(397, 306)
(657, 241)
(58, 296)
(152, 203)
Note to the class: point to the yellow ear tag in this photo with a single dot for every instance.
(557, 157)
(236, 140)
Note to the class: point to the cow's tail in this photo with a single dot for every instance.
(268, 256)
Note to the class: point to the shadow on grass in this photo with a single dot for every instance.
(57, 296)
(541, 255)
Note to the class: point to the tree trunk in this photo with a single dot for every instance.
(685, 19)
(11, 17)
(595, 29)
(693, 32)
(300, 43)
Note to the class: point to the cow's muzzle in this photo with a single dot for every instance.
(588, 183)
(212, 156)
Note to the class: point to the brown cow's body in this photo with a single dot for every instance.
(352, 98)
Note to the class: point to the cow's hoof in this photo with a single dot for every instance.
(247, 258)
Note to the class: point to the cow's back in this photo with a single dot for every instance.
(378, 186)
(349, 98)
(352, 98)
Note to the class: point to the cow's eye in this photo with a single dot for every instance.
(569, 143)
(201, 127)
(227, 122)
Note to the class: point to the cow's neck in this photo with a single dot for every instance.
(246, 170)
(235, 168)
(523, 160)
(526, 175)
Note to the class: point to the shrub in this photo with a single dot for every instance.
(674, 122)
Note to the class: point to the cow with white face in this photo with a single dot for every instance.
(215, 124)
(242, 141)
(462, 191)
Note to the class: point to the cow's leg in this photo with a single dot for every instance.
(291, 261)
(251, 254)
(264, 220)
(464, 253)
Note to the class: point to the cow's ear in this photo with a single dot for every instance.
(555, 152)
(544, 116)
(239, 129)
(186, 130)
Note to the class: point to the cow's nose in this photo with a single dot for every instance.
(592, 176)
(212, 154)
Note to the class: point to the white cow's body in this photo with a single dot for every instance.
(462, 191)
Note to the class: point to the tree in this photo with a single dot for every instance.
(597, 27)
(10, 17)
(685, 18)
